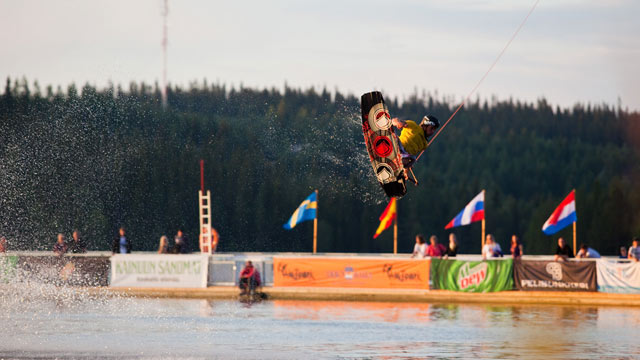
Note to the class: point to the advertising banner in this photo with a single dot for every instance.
(351, 273)
(169, 271)
(472, 276)
(8, 264)
(615, 277)
(77, 270)
(555, 275)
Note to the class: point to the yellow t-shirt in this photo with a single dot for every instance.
(412, 138)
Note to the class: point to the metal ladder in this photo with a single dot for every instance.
(204, 202)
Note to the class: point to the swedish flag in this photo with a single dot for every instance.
(306, 211)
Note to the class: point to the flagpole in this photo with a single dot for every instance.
(315, 227)
(482, 240)
(395, 234)
(574, 229)
(574, 238)
(483, 220)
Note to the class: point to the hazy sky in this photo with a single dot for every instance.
(569, 51)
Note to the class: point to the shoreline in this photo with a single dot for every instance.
(379, 295)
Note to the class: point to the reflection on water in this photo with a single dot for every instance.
(351, 311)
(50, 321)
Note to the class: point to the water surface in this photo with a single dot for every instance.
(46, 321)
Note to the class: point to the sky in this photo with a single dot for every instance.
(569, 51)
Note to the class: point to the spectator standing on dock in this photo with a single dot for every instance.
(215, 239)
(121, 245)
(3, 245)
(623, 253)
(563, 252)
(180, 246)
(249, 278)
(60, 247)
(434, 249)
(634, 250)
(587, 252)
(420, 248)
(516, 247)
(77, 246)
(163, 248)
(452, 249)
(491, 248)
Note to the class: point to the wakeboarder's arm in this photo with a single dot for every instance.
(399, 124)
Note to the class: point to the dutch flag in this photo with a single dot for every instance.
(563, 215)
(474, 211)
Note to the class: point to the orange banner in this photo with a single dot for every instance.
(351, 272)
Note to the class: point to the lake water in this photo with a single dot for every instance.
(45, 321)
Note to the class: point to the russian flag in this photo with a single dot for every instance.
(563, 215)
(474, 211)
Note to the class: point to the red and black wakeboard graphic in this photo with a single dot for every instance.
(382, 144)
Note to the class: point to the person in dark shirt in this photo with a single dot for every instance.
(121, 245)
(516, 247)
(78, 245)
(180, 246)
(60, 248)
(452, 249)
(623, 252)
(563, 252)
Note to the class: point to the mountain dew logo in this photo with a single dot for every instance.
(471, 276)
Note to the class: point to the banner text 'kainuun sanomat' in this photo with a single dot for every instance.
(178, 271)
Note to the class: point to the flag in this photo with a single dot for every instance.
(562, 216)
(387, 217)
(474, 211)
(306, 211)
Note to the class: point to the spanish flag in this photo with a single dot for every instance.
(306, 211)
(387, 217)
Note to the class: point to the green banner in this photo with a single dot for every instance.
(8, 265)
(472, 276)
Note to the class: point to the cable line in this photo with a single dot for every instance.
(483, 77)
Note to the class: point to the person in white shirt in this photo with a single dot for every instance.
(491, 248)
(634, 250)
(420, 249)
(587, 252)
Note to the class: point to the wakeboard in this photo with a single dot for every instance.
(382, 145)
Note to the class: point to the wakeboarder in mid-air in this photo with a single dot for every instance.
(414, 138)
(392, 156)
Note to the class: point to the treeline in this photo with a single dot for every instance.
(96, 159)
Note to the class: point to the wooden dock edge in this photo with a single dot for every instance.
(418, 296)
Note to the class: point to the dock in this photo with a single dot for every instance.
(393, 295)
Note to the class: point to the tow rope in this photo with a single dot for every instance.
(483, 77)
